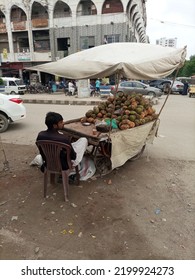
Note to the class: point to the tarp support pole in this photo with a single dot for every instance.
(117, 77)
(165, 100)
(168, 92)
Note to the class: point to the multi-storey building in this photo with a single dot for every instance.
(171, 42)
(35, 32)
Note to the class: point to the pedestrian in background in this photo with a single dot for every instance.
(185, 88)
(97, 85)
(71, 87)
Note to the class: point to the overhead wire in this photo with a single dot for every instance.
(173, 23)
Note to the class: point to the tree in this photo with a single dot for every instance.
(1, 82)
(188, 69)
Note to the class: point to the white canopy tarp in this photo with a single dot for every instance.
(132, 60)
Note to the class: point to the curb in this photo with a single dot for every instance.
(60, 102)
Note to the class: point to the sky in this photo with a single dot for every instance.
(172, 19)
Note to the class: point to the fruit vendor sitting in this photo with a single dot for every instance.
(55, 123)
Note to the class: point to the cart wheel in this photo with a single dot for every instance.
(139, 154)
(103, 165)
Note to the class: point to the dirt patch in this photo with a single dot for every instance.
(143, 210)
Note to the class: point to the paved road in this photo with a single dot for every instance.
(25, 131)
(176, 138)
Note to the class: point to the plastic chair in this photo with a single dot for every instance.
(52, 150)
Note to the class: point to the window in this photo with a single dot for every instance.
(41, 41)
(138, 85)
(87, 42)
(63, 44)
(11, 83)
(23, 44)
(111, 38)
(126, 84)
(41, 45)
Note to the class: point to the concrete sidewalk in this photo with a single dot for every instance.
(59, 98)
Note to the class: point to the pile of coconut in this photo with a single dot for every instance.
(128, 111)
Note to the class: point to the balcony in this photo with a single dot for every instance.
(39, 22)
(3, 28)
(18, 25)
(26, 57)
(43, 57)
(23, 56)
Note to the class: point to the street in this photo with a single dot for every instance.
(143, 210)
(176, 137)
(25, 131)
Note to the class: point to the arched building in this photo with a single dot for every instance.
(34, 32)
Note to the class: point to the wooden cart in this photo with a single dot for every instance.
(109, 150)
(99, 144)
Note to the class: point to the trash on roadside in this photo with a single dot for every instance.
(14, 218)
(73, 205)
(37, 250)
(157, 211)
(37, 161)
(64, 231)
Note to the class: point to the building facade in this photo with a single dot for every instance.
(35, 32)
(171, 42)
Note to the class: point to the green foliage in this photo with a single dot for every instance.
(188, 69)
(1, 82)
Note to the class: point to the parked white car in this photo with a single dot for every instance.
(177, 87)
(164, 85)
(13, 86)
(11, 110)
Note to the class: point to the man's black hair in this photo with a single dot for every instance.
(52, 118)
